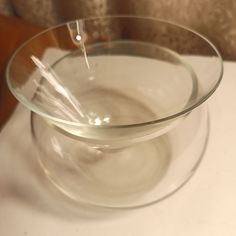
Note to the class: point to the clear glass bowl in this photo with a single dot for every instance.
(113, 106)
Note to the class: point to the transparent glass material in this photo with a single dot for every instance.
(113, 106)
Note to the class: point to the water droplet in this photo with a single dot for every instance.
(78, 37)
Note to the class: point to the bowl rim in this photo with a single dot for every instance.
(34, 108)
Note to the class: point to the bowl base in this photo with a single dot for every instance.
(133, 176)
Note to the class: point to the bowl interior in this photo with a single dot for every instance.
(114, 71)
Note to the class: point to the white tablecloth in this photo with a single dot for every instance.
(29, 205)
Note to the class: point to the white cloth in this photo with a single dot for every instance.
(29, 205)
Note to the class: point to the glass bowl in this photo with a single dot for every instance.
(115, 102)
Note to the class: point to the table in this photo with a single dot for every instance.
(205, 206)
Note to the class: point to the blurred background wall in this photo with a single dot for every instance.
(216, 19)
